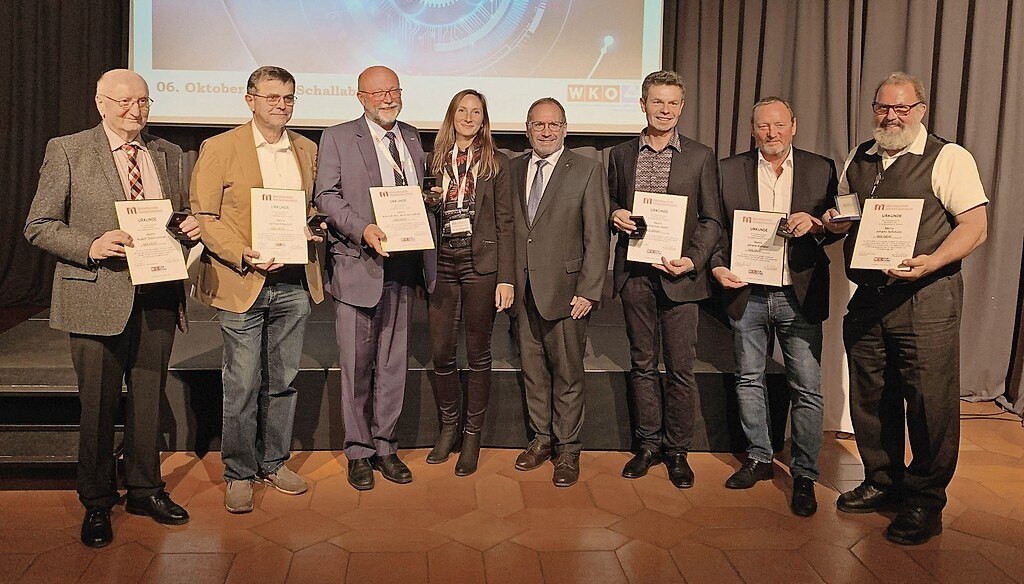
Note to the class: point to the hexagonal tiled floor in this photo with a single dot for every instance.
(501, 525)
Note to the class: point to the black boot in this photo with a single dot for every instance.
(445, 444)
(469, 456)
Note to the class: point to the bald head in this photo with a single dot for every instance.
(117, 89)
(380, 95)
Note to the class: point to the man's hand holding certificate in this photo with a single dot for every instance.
(887, 234)
(154, 255)
(665, 216)
(278, 225)
(400, 214)
(758, 250)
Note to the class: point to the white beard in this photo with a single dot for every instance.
(887, 139)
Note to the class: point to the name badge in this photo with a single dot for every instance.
(461, 227)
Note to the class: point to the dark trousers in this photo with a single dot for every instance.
(551, 352)
(138, 357)
(904, 350)
(461, 295)
(655, 323)
(373, 347)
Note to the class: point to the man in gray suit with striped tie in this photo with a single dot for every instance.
(119, 331)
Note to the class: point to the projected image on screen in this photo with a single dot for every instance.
(591, 54)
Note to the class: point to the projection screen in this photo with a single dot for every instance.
(589, 54)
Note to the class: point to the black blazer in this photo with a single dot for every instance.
(694, 173)
(814, 191)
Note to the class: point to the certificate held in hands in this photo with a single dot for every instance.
(758, 251)
(887, 234)
(154, 256)
(402, 216)
(665, 216)
(278, 222)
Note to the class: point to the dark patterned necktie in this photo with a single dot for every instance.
(393, 149)
(135, 191)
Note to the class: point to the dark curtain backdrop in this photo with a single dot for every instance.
(824, 56)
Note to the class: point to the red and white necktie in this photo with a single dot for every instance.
(135, 191)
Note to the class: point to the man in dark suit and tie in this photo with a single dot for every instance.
(372, 289)
(119, 332)
(561, 260)
(659, 301)
(776, 177)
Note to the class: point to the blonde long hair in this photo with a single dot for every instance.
(445, 140)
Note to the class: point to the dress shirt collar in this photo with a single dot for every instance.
(673, 142)
(282, 145)
(116, 141)
(551, 159)
(916, 147)
(787, 163)
(379, 130)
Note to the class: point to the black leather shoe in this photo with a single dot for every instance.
(445, 444)
(392, 468)
(96, 531)
(567, 469)
(679, 471)
(640, 464)
(865, 499)
(360, 474)
(803, 504)
(534, 456)
(749, 474)
(914, 526)
(160, 507)
(469, 456)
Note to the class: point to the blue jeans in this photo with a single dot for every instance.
(262, 348)
(801, 350)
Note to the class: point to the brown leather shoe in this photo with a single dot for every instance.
(534, 456)
(567, 469)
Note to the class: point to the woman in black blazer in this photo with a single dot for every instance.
(475, 263)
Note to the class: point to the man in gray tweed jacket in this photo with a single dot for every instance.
(118, 331)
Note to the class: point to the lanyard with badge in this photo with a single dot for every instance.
(459, 220)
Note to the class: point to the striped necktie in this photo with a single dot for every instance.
(536, 191)
(393, 149)
(135, 191)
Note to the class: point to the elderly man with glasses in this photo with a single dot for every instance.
(262, 304)
(119, 332)
(902, 331)
(372, 289)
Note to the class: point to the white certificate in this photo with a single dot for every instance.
(665, 216)
(278, 225)
(155, 256)
(887, 234)
(401, 215)
(758, 252)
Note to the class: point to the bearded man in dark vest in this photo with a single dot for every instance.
(902, 331)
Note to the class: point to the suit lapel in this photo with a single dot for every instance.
(799, 178)
(412, 143)
(750, 164)
(517, 172)
(245, 149)
(677, 172)
(106, 162)
(367, 149)
(554, 183)
(160, 163)
(304, 160)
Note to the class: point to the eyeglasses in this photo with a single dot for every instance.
(395, 93)
(273, 100)
(882, 109)
(127, 103)
(539, 126)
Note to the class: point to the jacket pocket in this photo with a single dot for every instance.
(573, 266)
(69, 272)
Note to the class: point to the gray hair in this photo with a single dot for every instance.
(769, 100)
(268, 72)
(901, 78)
(550, 100)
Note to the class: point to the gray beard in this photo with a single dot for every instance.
(889, 140)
